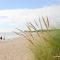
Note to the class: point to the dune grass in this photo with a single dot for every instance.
(44, 44)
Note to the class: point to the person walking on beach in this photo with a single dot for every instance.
(1, 38)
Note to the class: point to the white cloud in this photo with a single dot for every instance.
(18, 17)
(6, 30)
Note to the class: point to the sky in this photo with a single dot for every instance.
(15, 13)
(16, 4)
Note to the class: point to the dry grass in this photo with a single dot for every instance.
(44, 45)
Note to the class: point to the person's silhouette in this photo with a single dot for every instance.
(1, 37)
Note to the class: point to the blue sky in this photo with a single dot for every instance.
(13, 13)
(13, 4)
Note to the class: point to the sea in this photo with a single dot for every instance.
(8, 35)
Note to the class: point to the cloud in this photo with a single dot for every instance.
(18, 17)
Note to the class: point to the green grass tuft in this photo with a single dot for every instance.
(44, 44)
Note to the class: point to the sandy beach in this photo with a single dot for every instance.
(15, 49)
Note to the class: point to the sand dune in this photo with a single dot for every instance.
(15, 49)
